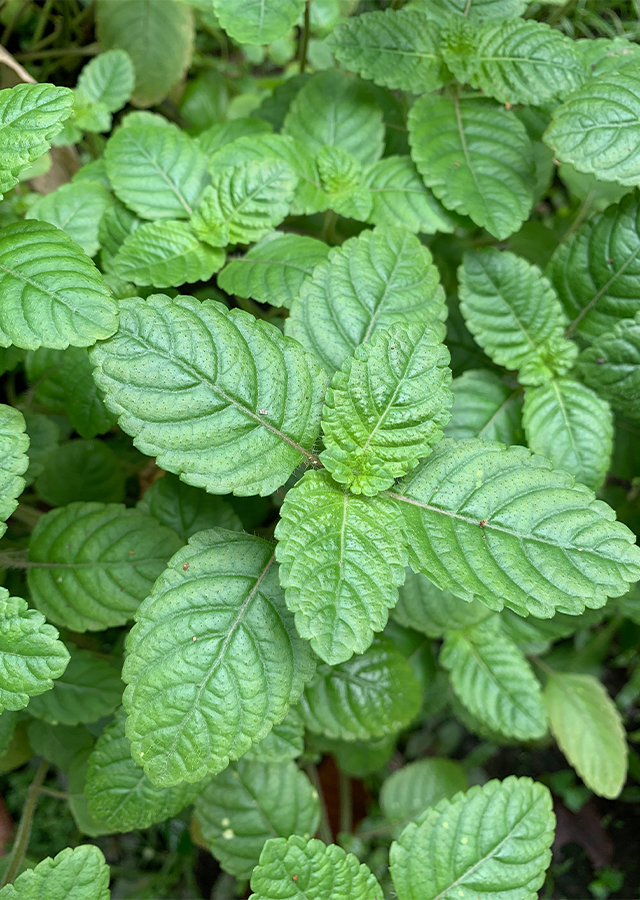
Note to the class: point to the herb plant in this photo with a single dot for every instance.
(229, 345)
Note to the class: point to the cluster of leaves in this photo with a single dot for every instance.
(343, 244)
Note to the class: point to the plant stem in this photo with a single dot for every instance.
(23, 834)
(324, 829)
(346, 805)
(89, 50)
(41, 24)
(304, 39)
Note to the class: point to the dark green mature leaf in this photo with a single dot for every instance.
(477, 159)
(214, 660)
(95, 563)
(484, 406)
(612, 366)
(597, 129)
(52, 294)
(368, 696)
(589, 730)
(30, 116)
(381, 278)
(295, 868)
(572, 426)
(514, 314)
(408, 791)
(501, 525)
(425, 608)
(342, 558)
(255, 21)
(59, 743)
(31, 655)
(158, 36)
(77, 210)
(78, 874)
(186, 509)
(165, 254)
(241, 428)
(13, 460)
(476, 10)
(396, 48)
(399, 197)
(508, 828)
(81, 470)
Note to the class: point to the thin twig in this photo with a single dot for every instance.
(23, 834)
(8, 60)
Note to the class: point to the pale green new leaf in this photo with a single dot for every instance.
(612, 366)
(257, 21)
(52, 294)
(158, 36)
(186, 509)
(78, 874)
(284, 741)
(273, 271)
(92, 564)
(476, 10)
(368, 696)
(381, 278)
(407, 792)
(30, 116)
(572, 426)
(295, 868)
(514, 314)
(342, 177)
(14, 461)
(484, 406)
(503, 526)
(244, 202)
(251, 802)
(159, 173)
(342, 558)
(339, 111)
(386, 408)
(77, 210)
(165, 254)
(108, 78)
(508, 828)
(31, 655)
(597, 129)
(397, 48)
(214, 659)
(589, 730)
(493, 680)
(242, 427)
(399, 197)
(425, 608)
(477, 159)
(119, 793)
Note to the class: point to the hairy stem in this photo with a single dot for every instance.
(23, 834)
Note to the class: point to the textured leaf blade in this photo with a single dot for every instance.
(284, 741)
(194, 704)
(477, 159)
(477, 10)
(257, 22)
(425, 608)
(563, 552)
(75, 209)
(407, 792)
(163, 374)
(612, 366)
(13, 460)
(342, 559)
(52, 294)
(108, 78)
(484, 406)
(400, 197)
(78, 874)
(509, 828)
(185, 509)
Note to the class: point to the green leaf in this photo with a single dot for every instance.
(223, 133)
(284, 741)
(159, 173)
(185, 509)
(341, 176)
(94, 563)
(115, 226)
(425, 608)
(165, 254)
(59, 743)
(77, 210)
(508, 827)
(514, 314)
(386, 408)
(589, 730)
(30, 116)
(339, 111)
(399, 197)
(596, 271)
(342, 559)
(108, 78)
(14, 461)
(572, 426)
(31, 655)
(597, 129)
(244, 202)
(494, 681)
(81, 470)
(78, 874)
(501, 525)
(8, 722)
(356, 758)
(612, 366)
(273, 271)
(295, 868)
(477, 159)
(44, 436)
(158, 36)
(484, 406)
(251, 802)
(120, 794)
(52, 294)
(368, 696)
(257, 21)
(396, 48)
(407, 792)
(476, 10)
(165, 374)
(88, 689)
(214, 659)
(381, 278)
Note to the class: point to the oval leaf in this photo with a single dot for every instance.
(257, 22)
(484, 406)
(612, 366)
(78, 874)
(14, 461)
